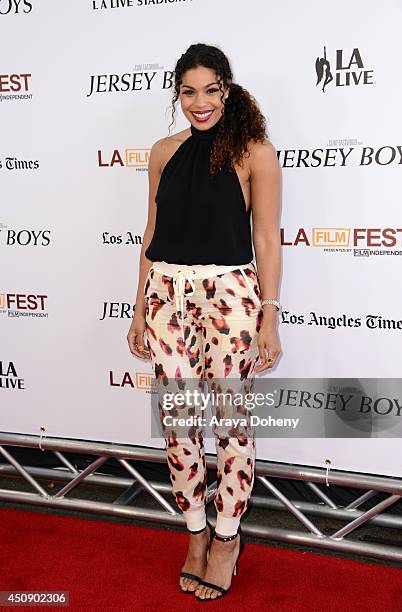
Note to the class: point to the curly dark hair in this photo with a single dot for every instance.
(242, 119)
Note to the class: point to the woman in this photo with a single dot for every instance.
(199, 295)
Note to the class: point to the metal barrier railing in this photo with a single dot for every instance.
(265, 471)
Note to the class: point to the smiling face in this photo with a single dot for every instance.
(200, 97)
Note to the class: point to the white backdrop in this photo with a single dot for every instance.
(74, 187)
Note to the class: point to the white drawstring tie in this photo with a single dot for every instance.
(190, 273)
(179, 285)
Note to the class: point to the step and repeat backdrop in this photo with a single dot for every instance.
(85, 90)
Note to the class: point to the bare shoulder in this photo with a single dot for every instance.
(163, 149)
(262, 153)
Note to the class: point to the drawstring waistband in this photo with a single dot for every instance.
(179, 284)
(186, 273)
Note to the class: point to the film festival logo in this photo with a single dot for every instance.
(349, 70)
(142, 381)
(9, 378)
(15, 86)
(128, 158)
(364, 241)
(23, 305)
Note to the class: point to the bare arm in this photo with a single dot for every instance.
(265, 203)
(154, 173)
(135, 336)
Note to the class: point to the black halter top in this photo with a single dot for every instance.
(200, 219)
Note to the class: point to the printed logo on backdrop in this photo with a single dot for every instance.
(128, 238)
(338, 155)
(126, 158)
(344, 69)
(117, 310)
(116, 4)
(23, 237)
(143, 78)
(15, 7)
(372, 321)
(23, 305)
(13, 164)
(9, 376)
(15, 86)
(142, 381)
(359, 241)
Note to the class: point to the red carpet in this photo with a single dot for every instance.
(113, 566)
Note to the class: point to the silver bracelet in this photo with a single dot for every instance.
(274, 302)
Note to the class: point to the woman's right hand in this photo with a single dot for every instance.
(135, 338)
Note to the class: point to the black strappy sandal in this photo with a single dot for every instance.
(216, 587)
(193, 576)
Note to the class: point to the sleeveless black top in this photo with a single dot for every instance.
(200, 219)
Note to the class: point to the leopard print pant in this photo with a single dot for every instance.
(221, 324)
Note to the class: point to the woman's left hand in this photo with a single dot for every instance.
(268, 341)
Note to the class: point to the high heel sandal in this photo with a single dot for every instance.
(193, 576)
(216, 587)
